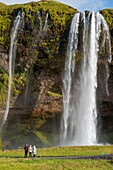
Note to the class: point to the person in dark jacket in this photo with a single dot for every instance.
(26, 150)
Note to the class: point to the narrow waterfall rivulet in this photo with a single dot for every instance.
(40, 19)
(43, 26)
(89, 40)
(12, 56)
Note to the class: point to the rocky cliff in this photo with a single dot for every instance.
(36, 101)
(36, 97)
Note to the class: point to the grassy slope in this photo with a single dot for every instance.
(63, 151)
(29, 163)
(39, 164)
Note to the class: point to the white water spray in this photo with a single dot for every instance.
(12, 56)
(79, 119)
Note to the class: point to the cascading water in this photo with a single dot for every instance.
(89, 34)
(44, 26)
(40, 19)
(108, 57)
(12, 56)
(46, 21)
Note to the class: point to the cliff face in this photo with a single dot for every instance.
(105, 103)
(36, 101)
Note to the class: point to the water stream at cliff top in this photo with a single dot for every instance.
(89, 40)
(43, 26)
(12, 57)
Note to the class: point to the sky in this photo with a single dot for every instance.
(81, 5)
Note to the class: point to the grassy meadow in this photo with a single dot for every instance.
(14, 159)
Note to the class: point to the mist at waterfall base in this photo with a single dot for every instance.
(89, 41)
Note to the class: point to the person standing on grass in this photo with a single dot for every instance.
(34, 151)
(30, 151)
(26, 150)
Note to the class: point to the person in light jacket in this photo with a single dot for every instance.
(34, 151)
(30, 151)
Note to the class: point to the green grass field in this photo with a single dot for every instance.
(14, 159)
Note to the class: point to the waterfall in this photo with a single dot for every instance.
(89, 33)
(107, 47)
(43, 26)
(46, 21)
(69, 70)
(12, 57)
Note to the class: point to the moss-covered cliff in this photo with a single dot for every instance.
(37, 85)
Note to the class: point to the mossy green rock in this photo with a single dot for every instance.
(36, 99)
(36, 49)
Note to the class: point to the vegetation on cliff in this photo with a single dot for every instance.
(41, 50)
(34, 47)
(108, 15)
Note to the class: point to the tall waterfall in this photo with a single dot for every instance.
(12, 57)
(89, 40)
